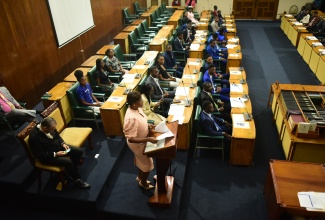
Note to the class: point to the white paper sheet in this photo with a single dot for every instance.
(180, 119)
(234, 54)
(193, 63)
(195, 46)
(176, 109)
(233, 40)
(129, 76)
(187, 76)
(238, 121)
(182, 91)
(235, 72)
(231, 46)
(236, 87)
(139, 67)
(128, 80)
(151, 146)
(236, 103)
(115, 99)
(311, 200)
(165, 135)
(161, 127)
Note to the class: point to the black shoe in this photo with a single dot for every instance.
(39, 111)
(82, 184)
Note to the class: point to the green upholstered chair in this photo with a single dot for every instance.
(127, 17)
(156, 22)
(79, 111)
(138, 10)
(142, 31)
(135, 46)
(101, 89)
(147, 28)
(204, 141)
(140, 36)
(126, 60)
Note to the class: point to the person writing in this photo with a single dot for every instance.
(49, 148)
(136, 130)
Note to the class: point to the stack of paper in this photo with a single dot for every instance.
(235, 72)
(312, 201)
(182, 91)
(238, 121)
(195, 46)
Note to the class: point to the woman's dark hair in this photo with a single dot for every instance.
(98, 66)
(133, 97)
(107, 51)
(78, 74)
(145, 89)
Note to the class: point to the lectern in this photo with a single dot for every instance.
(164, 187)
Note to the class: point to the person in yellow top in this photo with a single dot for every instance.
(149, 106)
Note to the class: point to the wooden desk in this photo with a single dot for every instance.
(202, 26)
(159, 42)
(146, 16)
(113, 112)
(302, 43)
(284, 180)
(123, 40)
(92, 61)
(164, 187)
(296, 33)
(174, 19)
(315, 57)
(320, 69)
(137, 22)
(104, 48)
(234, 58)
(72, 78)
(58, 93)
(236, 85)
(240, 76)
(308, 49)
(130, 28)
(295, 148)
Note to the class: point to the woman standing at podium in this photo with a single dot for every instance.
(136, 130)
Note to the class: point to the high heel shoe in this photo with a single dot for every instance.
(138, 179)
(146, 188)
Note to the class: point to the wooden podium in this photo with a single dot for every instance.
(164, 187)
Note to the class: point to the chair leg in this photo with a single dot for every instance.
(39, 179)
(195, 147)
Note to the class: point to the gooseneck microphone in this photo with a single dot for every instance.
(242, 81)
(245, 96)
(187, 101)
(192, 84)
(247, 116)
(126, 91)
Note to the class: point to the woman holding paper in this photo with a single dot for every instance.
(149, 106)
(136, 130)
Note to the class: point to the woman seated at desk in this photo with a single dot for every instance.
(113, 64)
(149, 106)
(101, 77)
(164, 75)
(190, 16)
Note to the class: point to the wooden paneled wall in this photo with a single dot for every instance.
(30, 61)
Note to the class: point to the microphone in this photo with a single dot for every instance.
(245, 95)
(137, 76)
(187, 101)
(247, 116)
(192, 84)
(146, 62)
(126, 91)
(242, 81)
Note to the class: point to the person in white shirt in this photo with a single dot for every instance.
(305, 19)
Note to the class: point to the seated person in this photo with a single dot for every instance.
(209, 76)
(164, 75)
(179, 44)
(11, 110)
(188, 33)
(221, 39)
(224, 76)
(216, 53)
(159, 92)
(184, 26)
(84, 92)
(49, 148)
(113, 64)
(312, 25)
(320, 29)
(219, 106)
(301, 14)
(149, 106)
(213, 125)
(170, 61)
(101, 77)
(306, 17)
(190, 16)
(215, 24)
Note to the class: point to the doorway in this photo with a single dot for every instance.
(255, 9)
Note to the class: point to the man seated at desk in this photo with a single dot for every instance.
(217, 53)
(84, 92)
(179, 44)
(49, 148)
(170, 61)
(188, 33)
(159, 92)
(12, 110)
(223, 76)
(213, 125)
(219, 106)
(210, 76)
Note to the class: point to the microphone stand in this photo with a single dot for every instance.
(192, 84)
(245, 95)
(187, 101)
(242, 81)
(247, 116)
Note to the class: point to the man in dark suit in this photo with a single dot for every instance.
(189, 32)
(213, 125)
(223, 107)
(179, 44)
(159, 92)
(170, 61)
(49, 148)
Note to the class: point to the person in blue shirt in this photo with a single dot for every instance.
(217, 54)
(210, 76)
(84, 92)
(170, 61)
(223, 76)
(211, 124)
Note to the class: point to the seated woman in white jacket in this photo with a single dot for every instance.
(149, 106)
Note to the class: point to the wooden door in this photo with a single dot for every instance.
(154, 2)
(164, 1)
(255, 9)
